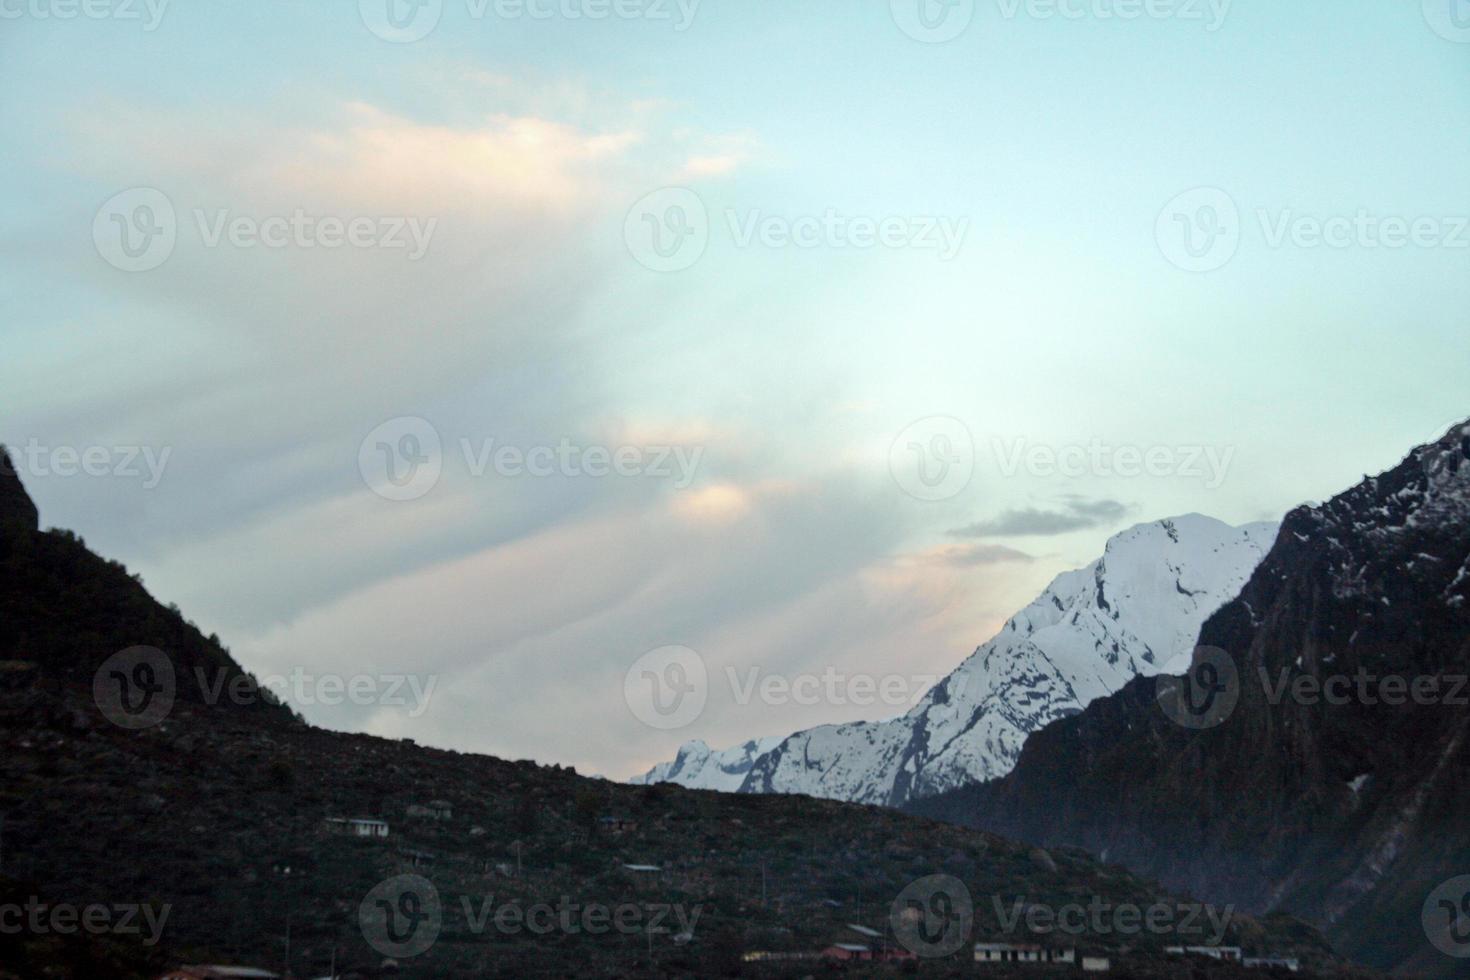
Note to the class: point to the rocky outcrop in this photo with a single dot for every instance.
(18, 514)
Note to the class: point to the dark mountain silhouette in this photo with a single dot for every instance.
(18, 515)
(66, 610)
(1348, 806)
(219, 811)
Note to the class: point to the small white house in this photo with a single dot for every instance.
(1021, 953)
(356, 827)
(1229, 954)
(1266, 962)
(1096, 964)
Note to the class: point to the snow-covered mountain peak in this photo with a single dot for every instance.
(698, 766)
(1133, 611)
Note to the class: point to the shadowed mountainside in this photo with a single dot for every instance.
(1345, 806)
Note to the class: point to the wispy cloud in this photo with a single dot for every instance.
(1075, 514)
(966, 556)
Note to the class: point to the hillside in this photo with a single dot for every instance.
(212, 816)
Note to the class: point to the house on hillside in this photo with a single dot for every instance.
(616, 825)
(777, 956)
(356, 827)
(1022, 953)
(1096, 964)
(847, 952)
(645, 876)
(432, 810)
(417, 859)
(1270, 962)
(1228, 954)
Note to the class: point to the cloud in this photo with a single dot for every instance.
(262, 369)
(528, 640)
(719, 155)
(963, 556)
(1076, 514)
(527, 598)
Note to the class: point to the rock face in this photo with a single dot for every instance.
(1129, 613)
(1331, 789)
(18, 513)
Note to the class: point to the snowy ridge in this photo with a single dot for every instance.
(1136, 610)
(697, 766)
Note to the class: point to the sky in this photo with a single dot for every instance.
(488, 349)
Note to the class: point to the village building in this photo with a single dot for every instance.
(418, 859)
(844, 951)
(645, 875)
(616, 825)
(1270, 962)
(847, 951)
(776, 956)
(1022, 953)
(356, 827)
(1229, 954)
(1096, 964)
(432, 810)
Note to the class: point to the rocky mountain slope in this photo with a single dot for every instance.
(1129, 613)
(1324, 757)
(210, 820)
